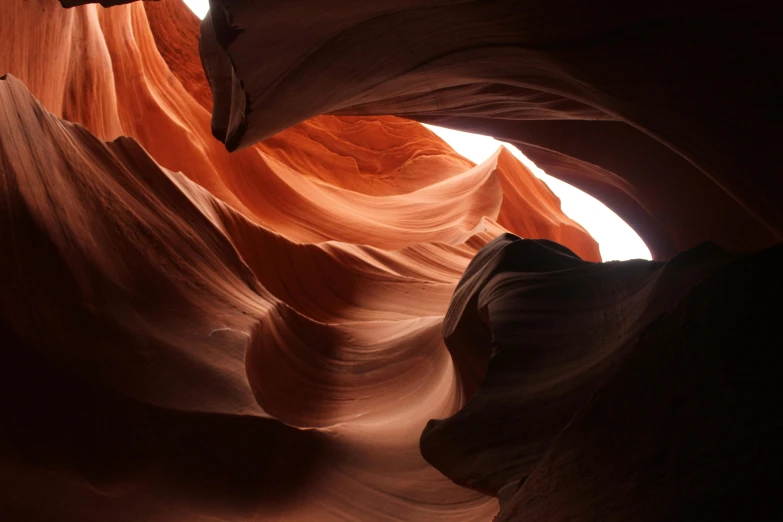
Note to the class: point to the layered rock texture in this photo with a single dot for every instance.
(621, 391)
(189, 333)
(663, 110)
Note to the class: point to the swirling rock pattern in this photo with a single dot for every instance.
(662, 110)
(618, 391)
(130, 298)
(698, 439)
(191, 334)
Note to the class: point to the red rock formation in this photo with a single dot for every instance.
(104, 3)
(132, 283)
(136, 80)
(164, 300)
(662, 110)
(192, 334)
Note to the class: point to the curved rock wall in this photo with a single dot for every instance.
(620, 391)
(191, 333)
(662, 110)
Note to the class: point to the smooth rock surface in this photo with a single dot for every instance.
(629, 390)
(191, 334)
(662, 110)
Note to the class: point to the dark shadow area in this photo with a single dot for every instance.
(58, 423)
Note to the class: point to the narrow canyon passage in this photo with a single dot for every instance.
(243, 286)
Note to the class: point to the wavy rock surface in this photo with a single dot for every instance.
(662, 110)
(124, 75)
(192, 334)
(619, 391)
(131, 298)
(189, 334)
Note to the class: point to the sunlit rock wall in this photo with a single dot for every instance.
(189, 333)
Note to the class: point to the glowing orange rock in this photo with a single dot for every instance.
(657, 109)
(179, 296)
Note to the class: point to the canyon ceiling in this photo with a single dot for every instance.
(241, 281)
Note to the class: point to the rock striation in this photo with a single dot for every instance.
(662, 110)
(629, 390)
(189, 333)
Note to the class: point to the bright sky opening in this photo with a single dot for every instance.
(616, 239)
(200, 7)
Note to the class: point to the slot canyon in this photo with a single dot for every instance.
(242, 281)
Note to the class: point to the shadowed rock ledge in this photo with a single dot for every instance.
(619, 391)
(192, 334)
(663, 110)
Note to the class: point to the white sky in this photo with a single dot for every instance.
(200, 7)
(617, 240)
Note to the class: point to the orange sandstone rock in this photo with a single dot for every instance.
(191, 333)
(662, 110)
